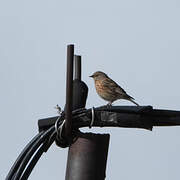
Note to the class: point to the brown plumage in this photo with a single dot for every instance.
(108, 89)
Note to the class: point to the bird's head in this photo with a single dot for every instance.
(98, 75)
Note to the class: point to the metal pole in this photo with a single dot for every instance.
(69, 87)
(77, 60)
(87, 157)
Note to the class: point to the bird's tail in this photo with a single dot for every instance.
(133, 101)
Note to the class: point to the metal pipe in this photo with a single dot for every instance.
(69, 89)
(87, 157)
(77, 73)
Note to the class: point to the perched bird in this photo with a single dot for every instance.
(108, 89)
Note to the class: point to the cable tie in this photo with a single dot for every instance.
(92, 120)
(56, 124)
(59, 130)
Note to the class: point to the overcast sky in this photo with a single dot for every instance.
(136, 42)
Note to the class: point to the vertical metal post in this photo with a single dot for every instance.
(87, 157)
(69, 92)
(77, 74)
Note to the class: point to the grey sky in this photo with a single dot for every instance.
(135, 42)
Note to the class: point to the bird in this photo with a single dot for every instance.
(108, 89)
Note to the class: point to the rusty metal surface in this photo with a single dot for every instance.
(87, 157)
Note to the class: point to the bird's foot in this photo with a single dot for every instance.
(109, 104)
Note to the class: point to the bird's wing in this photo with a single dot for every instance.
(121, 91)
(113, 86)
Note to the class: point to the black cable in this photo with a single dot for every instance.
(39, 153)
(28, 151)
(44, 147)
(31, 152)
(33, 162)
(21, 156)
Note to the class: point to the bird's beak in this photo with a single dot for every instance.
(91, 76)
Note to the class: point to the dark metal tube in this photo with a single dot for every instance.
(77, 74)
(87, 157)
(69, 89)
